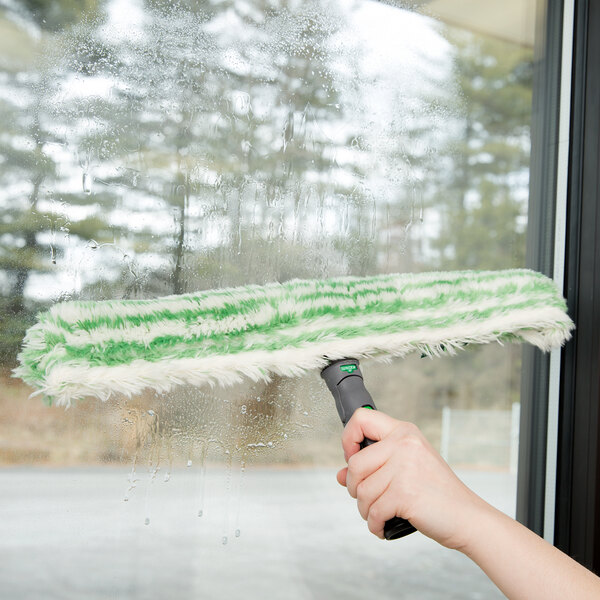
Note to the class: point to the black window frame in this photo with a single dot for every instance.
(577, 512)
(577, 504)
(535, 372)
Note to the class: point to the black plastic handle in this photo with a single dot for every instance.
(345, 382)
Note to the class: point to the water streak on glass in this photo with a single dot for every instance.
(156, 147)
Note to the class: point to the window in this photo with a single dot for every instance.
(152, 147)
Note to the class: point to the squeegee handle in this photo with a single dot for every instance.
(345, 382)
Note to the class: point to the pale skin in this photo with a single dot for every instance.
(403, 475)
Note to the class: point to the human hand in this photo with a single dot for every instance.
(402, 475)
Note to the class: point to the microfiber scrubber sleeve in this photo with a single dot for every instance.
(222, 337)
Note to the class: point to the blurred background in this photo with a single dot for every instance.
(154, 147)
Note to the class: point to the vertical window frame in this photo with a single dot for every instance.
(541, 254)
(559, 458)
(577, 512)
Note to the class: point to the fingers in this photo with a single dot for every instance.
(382, 510)
(372, 475)
(366, 423)
(375, 503)
(369, 490)
(364, 463)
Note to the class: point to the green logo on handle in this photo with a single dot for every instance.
(348, 368)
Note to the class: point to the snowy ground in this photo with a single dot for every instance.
(69, 534)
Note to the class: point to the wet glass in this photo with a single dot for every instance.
(150, 148)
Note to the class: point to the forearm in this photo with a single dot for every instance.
(523, 565)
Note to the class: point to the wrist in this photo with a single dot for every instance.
(481, 521)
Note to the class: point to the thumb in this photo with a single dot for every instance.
(341, 476)
(365, 423)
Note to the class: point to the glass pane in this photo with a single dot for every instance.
(153, 147)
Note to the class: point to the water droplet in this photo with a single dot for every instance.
(224, 540)
(86, 183)
(147, 521)
(151, 413)
(270, 444)
(200, 512)
(237, 533)
(189, 463)
(244, 409)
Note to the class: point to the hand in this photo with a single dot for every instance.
(402, 475)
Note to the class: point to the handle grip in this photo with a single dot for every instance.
(345, 382)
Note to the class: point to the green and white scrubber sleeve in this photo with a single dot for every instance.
(79, 349)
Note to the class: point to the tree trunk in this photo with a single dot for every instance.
(178, 280)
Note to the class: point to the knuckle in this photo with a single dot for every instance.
(351, 486)
(362, 490)
(413, 441)
(352, 463)
(346, 436)
(410, 442)
(373, 526)
(405, 430)
(411, 428)
(359, 490)
(375, 513)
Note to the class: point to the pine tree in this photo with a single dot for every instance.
(483, 186)
(32, 223)
(230, 124)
